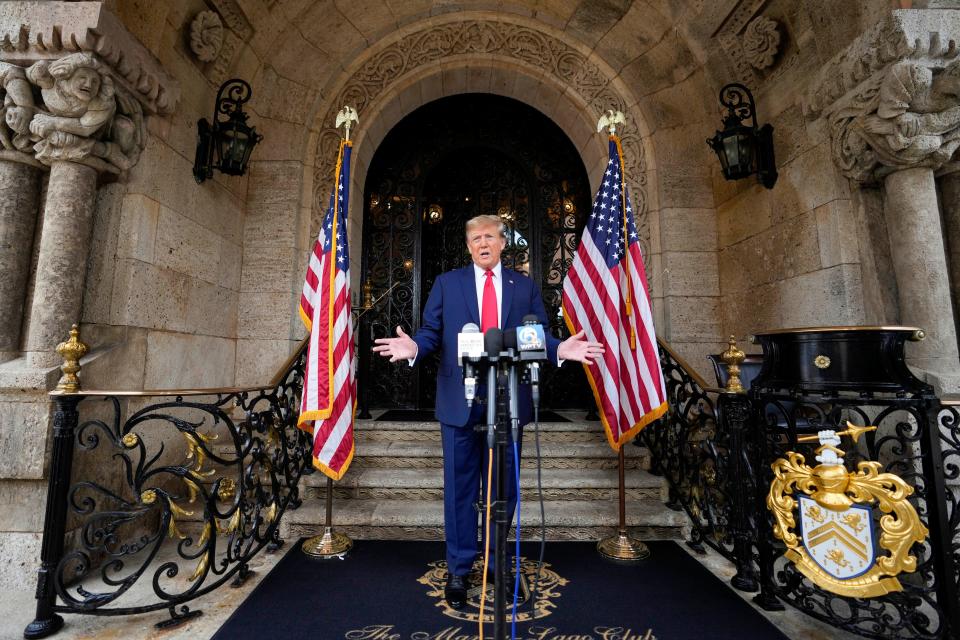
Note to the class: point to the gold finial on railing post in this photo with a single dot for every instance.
(71, 351)
(367, 295)
(733, 357)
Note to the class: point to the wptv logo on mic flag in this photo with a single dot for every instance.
(329, 383)
(605, 294)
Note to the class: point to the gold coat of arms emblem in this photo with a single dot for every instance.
(839, 547)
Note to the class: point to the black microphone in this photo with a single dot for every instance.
(492, 346)
(510, 345)
(469, 345)
(493, 342)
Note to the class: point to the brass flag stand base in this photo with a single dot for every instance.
(330, 544)
(622, 547)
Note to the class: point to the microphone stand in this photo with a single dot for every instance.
(502, 418)
(502, 517)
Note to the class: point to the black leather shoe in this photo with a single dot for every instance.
(455, 591)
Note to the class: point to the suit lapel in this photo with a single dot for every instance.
(469, 288)
(508, 287)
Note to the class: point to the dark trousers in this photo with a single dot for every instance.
(465, 456)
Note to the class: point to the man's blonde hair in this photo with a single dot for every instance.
(483, 221)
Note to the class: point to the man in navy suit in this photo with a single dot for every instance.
(488, 295)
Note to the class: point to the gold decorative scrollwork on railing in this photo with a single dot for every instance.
(239, 490)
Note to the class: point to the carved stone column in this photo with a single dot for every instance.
(892, 104)
(950, 211)
(19, 188)
(920, 264)
(19, 182)
(62, 263)
(86, 127)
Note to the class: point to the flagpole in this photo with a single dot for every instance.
(621, 547)
(332, 544)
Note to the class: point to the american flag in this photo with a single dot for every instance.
(329, 385)
(605, 293)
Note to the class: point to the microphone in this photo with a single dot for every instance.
(493, 342)
(492, 345)
(531, 340)
(510, 345)
(532, 344)
(469, 345)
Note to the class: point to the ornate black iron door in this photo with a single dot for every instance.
(445, 163)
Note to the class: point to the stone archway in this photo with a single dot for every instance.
(479, 52)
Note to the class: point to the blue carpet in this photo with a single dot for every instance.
(394, 591)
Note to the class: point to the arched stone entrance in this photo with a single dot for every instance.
(478, 52)
(446, 162)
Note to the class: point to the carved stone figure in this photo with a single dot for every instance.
(761, 41)
(79, 102)
(80, 118)
(206, 35)
(918, 116)
(16, 108)
(911, 119)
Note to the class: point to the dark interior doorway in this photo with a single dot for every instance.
(444, 163)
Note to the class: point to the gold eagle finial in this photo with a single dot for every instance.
(610, 120)
(345, 116)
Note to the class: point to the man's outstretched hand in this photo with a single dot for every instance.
(578, 348)
(400, 348)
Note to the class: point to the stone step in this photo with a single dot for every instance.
(423, 520)
(433, 435)
(572, 455)
(575, 425)
(427, 484)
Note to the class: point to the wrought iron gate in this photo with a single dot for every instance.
(448, 161)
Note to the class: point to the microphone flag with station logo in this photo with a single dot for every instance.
(469, 345)
(531, 339)
(605, 295)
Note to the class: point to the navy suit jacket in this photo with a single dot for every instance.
(453, 303)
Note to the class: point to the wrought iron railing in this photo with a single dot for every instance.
(715, 450)
(700, 447)
(907, 443)
(158, 527)
(915, 439)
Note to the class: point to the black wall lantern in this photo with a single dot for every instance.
(227, 144)
(744, 149)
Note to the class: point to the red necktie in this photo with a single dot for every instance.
(488, 314)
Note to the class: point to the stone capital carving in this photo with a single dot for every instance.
(31, 31)
(17, 108)
(892, 99)
(84, 117)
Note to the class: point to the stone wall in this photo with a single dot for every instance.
(789, 256)
(205, 268)
(176, 246)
